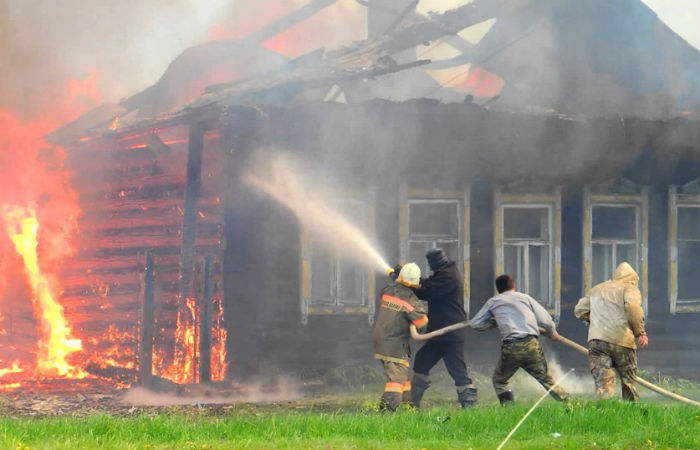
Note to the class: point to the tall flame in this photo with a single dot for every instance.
(55, 343)
(40, 210)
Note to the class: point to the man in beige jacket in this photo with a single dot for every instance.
(614, 310)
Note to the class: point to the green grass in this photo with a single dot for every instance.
(354, 425)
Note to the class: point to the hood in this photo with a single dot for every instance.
(626, 274)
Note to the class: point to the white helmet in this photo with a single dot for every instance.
(409, 275)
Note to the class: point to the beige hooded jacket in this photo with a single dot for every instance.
(614, 309)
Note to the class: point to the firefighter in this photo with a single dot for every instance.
(519, 318)
(398, 309)
(614, 310)
(443, 291)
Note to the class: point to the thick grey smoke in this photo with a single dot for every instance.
(129, 42)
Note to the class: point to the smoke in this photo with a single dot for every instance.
(132, 42)
(254, 392)
(282, 179)
(576, 383)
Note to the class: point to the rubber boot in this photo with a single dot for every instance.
(505, 397)
(419, 384)
(389, 401)
(406, 397)
(466, 395)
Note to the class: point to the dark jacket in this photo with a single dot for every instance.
(444, 292)
(398, 308)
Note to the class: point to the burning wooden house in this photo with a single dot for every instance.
(552, 184)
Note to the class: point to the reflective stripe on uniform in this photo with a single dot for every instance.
(420, 322)
(393, 387)
(397, 301)
(407, 386)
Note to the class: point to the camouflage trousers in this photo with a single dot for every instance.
(397, 389)
(606, 359)
(528, 355)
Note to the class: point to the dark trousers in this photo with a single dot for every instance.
(452, 352)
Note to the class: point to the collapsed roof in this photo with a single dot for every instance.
(581, 59)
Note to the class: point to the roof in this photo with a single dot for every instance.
(596, 58)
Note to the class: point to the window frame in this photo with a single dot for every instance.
(616, 242)
(551, 202)
(686, 196)
(334, 305)
(621, 193)
(461, 199)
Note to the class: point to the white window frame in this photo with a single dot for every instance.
(410, 197)
(687, 196)
(552, 203)
(333, 305)
(623, 194)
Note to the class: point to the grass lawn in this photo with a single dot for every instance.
(353, 424)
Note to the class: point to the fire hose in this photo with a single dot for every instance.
(569, 343)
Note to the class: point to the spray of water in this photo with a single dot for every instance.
(284, 183)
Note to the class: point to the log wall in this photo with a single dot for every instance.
(132, 200)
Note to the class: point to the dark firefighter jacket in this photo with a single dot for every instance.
(398, 309)
(444, 293)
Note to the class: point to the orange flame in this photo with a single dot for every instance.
(218, 353)
(14, 369)
(41, 210)
(55, 343)
(182, 368)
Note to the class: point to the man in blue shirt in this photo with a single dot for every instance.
(518, 318)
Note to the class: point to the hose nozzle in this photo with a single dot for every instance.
(393, 272)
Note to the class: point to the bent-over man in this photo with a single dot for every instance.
(518, 318)
(614, 310)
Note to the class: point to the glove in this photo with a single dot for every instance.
(394, 272)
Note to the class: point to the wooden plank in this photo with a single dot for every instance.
(205, 322)
(192, 192)
(146, 330)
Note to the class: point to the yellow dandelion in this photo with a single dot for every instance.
(649, 443)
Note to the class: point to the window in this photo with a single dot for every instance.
(432, 219)
(684, 248)
(614, 239)
(527, 241)
(614, 231)
(331, 282)
(433, 223)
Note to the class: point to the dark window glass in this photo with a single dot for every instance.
(602, 264)
(526, 223)
(538, 259)
(322, 262)
(433, 219)
(614, 222)
(688, 222)
(349, 283)
(689, 270)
